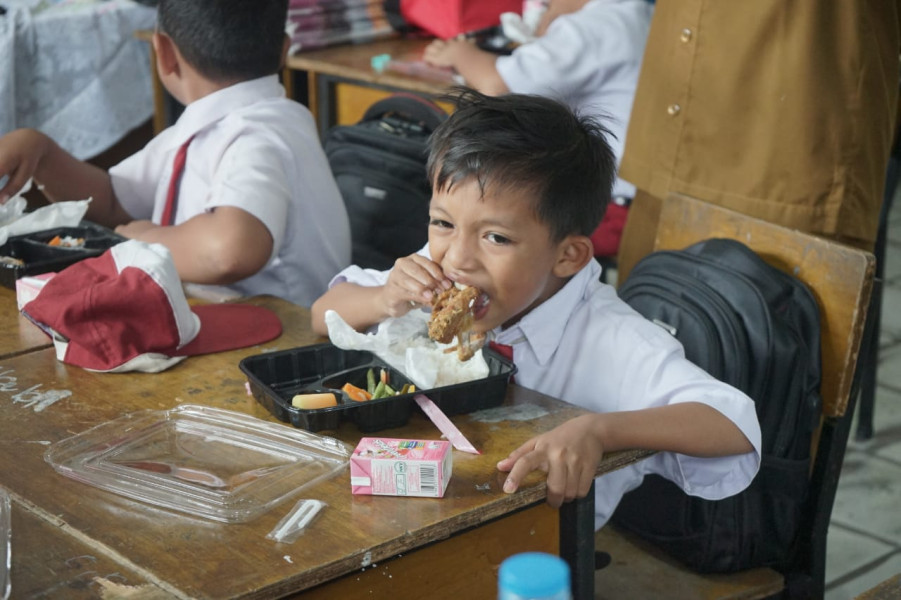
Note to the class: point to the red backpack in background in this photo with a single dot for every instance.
(448, 18)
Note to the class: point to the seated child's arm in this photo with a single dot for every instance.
(218, 247)
(28, 153)
(571, 452)
(475, 65)
(412, 282)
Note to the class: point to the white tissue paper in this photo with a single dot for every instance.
(404, 344)
(15, 221)
(521, 28)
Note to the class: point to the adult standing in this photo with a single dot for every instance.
(781, 110)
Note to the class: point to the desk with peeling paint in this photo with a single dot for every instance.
(17, 334)
(359, 546)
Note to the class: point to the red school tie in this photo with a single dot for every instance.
(178, 168)
(502, 349)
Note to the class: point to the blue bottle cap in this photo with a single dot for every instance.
(380, 62)
(534, 575)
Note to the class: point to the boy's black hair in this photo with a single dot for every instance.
(227, 40)
(559, 159)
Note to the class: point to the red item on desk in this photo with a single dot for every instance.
(453, 17)
(125, 310)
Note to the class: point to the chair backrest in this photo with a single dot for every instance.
(840, 277)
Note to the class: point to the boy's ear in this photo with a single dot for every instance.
(574, 252)
(166, 55)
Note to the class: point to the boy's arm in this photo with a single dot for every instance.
(27, 153)
(412, 282)
(570, 453)
(217, 248)
(475, 65)
(359, 306)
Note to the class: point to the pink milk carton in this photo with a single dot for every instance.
(393, 467)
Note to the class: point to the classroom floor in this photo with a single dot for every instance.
(864, 542)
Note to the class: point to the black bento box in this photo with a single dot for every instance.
(38, 256)
(275, 377)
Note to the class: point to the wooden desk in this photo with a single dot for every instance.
(342, 83)
(359, 546)
(890, 589)
(73, 562)
(17, 334)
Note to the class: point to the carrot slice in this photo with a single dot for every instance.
(56, 241)
(356, 394)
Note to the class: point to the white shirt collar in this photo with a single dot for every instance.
(207, 110)
(543, 327)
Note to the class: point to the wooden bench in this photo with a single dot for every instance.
(841, 279)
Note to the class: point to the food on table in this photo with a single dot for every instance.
(12, 261)
(355, 393)
(452, 317)
(319, 400)
(66, 242)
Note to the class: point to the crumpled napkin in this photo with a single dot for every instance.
(404, 344)
(15, 221)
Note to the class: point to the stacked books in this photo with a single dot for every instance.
(320, 23)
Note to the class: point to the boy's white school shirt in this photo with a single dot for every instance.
(586, 346)
(590, 60)
(258, 151)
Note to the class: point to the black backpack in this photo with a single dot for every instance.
(380, 166)
(756, 328)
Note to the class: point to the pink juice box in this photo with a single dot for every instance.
(393, 467)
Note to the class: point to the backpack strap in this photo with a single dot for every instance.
(410, 106)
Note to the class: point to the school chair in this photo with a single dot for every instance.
(870, 351)
(841, 279)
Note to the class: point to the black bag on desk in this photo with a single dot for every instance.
(380, 166)
(756, 328)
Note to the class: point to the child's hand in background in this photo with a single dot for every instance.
(413, 281)
(20, 153)
(569, 454)
(448, 53)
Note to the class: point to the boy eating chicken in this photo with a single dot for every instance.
(519, 184)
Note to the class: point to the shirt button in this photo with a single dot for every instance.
(686, 35)
(673, 109)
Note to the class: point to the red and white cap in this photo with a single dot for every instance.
(126, 310)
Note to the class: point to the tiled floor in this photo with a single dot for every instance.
(864, 542)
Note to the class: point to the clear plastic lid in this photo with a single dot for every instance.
(5, 545)
(208, 462)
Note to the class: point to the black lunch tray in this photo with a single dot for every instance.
(275, 377)
(39, 257)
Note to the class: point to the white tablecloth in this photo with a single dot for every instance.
(74, 70)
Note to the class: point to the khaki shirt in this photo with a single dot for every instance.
(781, 109)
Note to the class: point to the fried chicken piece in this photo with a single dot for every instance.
(452, 317)
(452, 313)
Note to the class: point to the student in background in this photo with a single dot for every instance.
(239, 188)
(780, 110)
(519, 183)
(588, 54)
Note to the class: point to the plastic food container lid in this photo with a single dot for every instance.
(207, 462)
